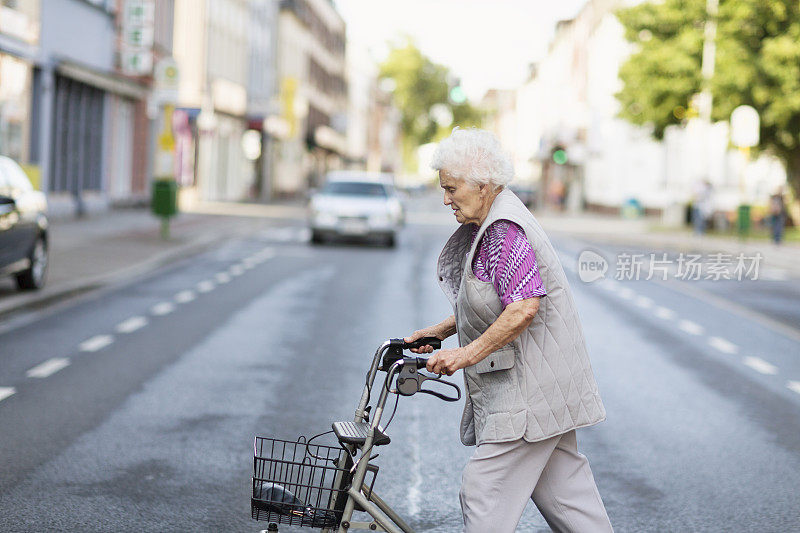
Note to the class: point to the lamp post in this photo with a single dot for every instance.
(744, 135)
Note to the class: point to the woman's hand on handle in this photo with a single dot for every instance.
(448, 361)
(420, 333)
(442, 330)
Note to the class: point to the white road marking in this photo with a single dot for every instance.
(773, 274)
(48, 368)
(666, 314)
(222, 277)
(98, 342)
(626, 293)
(690, 327)
(610, 285)
(644, 302)
(415, 489)
(723, 345)
(248, 263)
(162, 308)
(5, 392)
(185, 297)
(236, 270)
(759, 365)
(205, 286)
(793, 385)
(131, 325)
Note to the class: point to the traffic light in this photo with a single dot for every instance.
(457, 95)
(559, 155)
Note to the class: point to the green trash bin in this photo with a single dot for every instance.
(165, 198)
(743, 221)
(164, 202)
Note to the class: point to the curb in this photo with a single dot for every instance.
(50, 295)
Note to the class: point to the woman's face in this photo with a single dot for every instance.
(470, 203)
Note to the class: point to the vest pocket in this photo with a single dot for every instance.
(502, 359)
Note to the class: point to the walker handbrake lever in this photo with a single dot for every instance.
(410, 380)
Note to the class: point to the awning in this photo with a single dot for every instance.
(103, 80)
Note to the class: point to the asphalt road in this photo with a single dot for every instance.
(135, 408)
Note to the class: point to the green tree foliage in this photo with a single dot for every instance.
(420, 84)
(757, 63)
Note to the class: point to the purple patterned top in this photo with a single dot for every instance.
(506, 259)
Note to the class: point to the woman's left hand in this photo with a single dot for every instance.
(447, 361)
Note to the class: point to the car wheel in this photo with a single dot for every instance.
(34, 276)
(316, 237)
(390, 240)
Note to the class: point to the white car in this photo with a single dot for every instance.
(357, 205)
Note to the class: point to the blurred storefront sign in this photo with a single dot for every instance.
(20, 19)
(330, 139)
(15, 123)
(166, 80)
(229, 97)
(138, 28)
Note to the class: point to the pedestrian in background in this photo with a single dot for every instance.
(527, 374)
(777, 215)
(702, 208)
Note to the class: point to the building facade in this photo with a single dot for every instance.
(568, 102)
(211, 48)
(312, 92)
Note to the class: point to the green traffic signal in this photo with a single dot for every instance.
(559, 157)
(457, 95)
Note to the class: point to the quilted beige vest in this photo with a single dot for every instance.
(540, 384)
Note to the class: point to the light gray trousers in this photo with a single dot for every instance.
(499, 479)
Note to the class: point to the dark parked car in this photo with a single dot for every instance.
(23, 228)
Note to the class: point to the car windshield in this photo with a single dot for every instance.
(355, 188)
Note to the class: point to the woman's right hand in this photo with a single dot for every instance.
(420, 333)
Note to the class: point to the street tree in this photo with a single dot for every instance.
(757, 63)
(420, 88)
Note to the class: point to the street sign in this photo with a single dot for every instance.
(165, 81)
(744, 127)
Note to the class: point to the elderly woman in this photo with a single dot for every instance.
(528, 379)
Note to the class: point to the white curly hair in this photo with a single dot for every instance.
(475, 156)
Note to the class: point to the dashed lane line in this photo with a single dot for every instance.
(236, 270)
(222, 277)
(627, 293)
(690, 327)
(162, 308)
(5, 392)
(205, 286)
(98, 342)
(723, 345)
(130, 325)
(664, 313)
(48, 368)
(644, 302)
(185, 297)
(792, 385)
(761, 366)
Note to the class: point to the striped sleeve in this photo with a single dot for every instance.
(508, 261)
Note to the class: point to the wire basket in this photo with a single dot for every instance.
(298, 483)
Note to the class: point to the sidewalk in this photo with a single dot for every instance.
(640, 233)
(120, 244)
